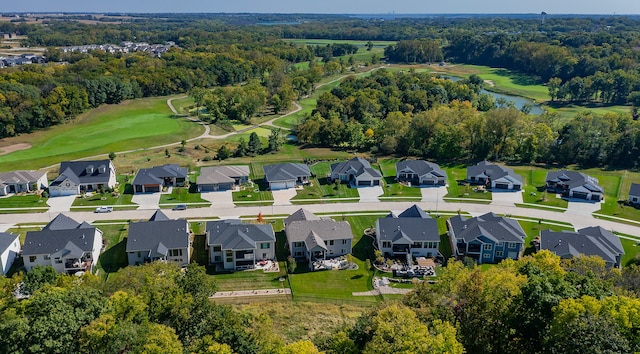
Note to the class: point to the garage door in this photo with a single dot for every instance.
(580, 195)
(517, 187)
(364, 183)
(206, 188)
(502, 186)
(278, 185)
(151, 189)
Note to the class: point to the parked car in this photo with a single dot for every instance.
(180, 207)
(104, 209)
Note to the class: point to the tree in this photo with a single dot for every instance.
(198, 94)
(554, 86)
(255, 145)
(224, 152)
(291, 264)
(275, 140)
(112, 156)
(37, 277)
(242, 148)
(369, 45)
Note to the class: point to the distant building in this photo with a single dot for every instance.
(494, 176)
(590, 241)
(22, 181)
(357, 172)
(221, 178)
(286, 175)
(79, 177)
(634, 193)
(420, 173)
(152, 180)
(573, 184)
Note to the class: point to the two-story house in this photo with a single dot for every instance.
(413, 232)
(235, 245)
(160, 238)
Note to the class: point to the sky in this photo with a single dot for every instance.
(329, 6)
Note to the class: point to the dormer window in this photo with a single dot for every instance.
(90, 169)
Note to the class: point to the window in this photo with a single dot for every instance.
(330, 242)
(175, 253)
(342, 251)
(298, 244)
(330, 251)
(58, 261)
(299, 254)
(416, 245)
(486, 255)
(229, 259)
(488, 246)
(217, 248)
(499, 244)
(217, 259)
(512, 245)
(32, 258)
(265, 245)
(386, 244)
(229, 253)
(344, 242)
(139, 254)
(499, 253)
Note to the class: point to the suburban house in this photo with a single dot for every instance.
(494, 176)
(65, 244)
(310, 237)
(357, 172)
(222, 178)
(413, 232)
(590, 241)
(634, 193)
(9, 250)
(420, 173)
(574, 184)
(234, 245)
(286, 175)
(152, 180)
(160, 238)
(487, 239)
(78, 177)
(22, 181)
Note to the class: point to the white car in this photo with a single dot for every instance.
(104, 209)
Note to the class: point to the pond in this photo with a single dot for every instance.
(518, 101)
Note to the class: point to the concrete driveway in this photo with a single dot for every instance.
(57, 204)
(431, 194)
(218, 197)
(583, 207)
(370, 194)
(281, 197)
(147, 200)
(500, 197)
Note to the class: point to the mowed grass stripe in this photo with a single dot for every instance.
(130, 125)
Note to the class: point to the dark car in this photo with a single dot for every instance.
(180, 207)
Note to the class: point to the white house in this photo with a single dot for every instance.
(64, 244)
(22, 181)
(9, 250)
(78, 177)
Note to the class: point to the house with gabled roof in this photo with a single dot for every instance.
(420, 173)
(153, 180)
(357, 172)
(9, 250)
(79, 177)
(22, 181)
(160, 238)
(220, 178)
(65, 244)
(235, 245)
(574, 184)
(286, 175)
(494, 176)
(311, 238)
(413, 232)
(589, 241)
(634, 194)
(488, 238)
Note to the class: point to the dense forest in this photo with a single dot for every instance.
(538, 304)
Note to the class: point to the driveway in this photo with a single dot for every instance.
(58, 204)
(147, 200)
(281, 197)
(500, 197)
(370, 194)
(583, 207)
(219, 197)
(431, 194)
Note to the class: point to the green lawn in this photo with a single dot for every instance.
(392, 189)
(631, 251)
(247, 280)
(24, 201)
(122, 198)
(532, 229)
(114, 256)
(252, 196)
(322, 189)
(181, 195)
(456, 174)
(534, 188)
(182, 104)
(130, 125)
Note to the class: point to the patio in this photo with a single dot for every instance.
(332, 264)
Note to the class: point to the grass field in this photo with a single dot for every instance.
(182, 104)
(114, 256)
(180, 195)
(456, 173)
(320, 188)
(534, 188)
(130, 125)
(24, 201)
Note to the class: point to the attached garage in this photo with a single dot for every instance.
(580, 195)
(207, 187)
(154, 188)
(282, 185)
(502, 186)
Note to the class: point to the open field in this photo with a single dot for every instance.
(130, 125)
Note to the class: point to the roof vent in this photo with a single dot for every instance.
(398, 227)
(464, 227)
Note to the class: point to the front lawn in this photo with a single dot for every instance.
(394, 190)
(459, 189)
(252, 195)
(32, 202)
(121, 197)
(181, 195)
(535, 188)
(330, 192)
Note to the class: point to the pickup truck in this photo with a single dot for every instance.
(103, 209)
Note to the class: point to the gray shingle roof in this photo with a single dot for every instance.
(325, 229)
(422, 167)
(300, 215)
(236, 235)
(360, 165)
(222, 174)
(412, 228)
(156, 174)
(158, 234)
(78, 169)
(492, 171)
(497, 228)
(635, 189)
(60, 235)
(591, 241)
(159, 216)
(285, 171)
(21, 176)
(6, 239)
(574, 179)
